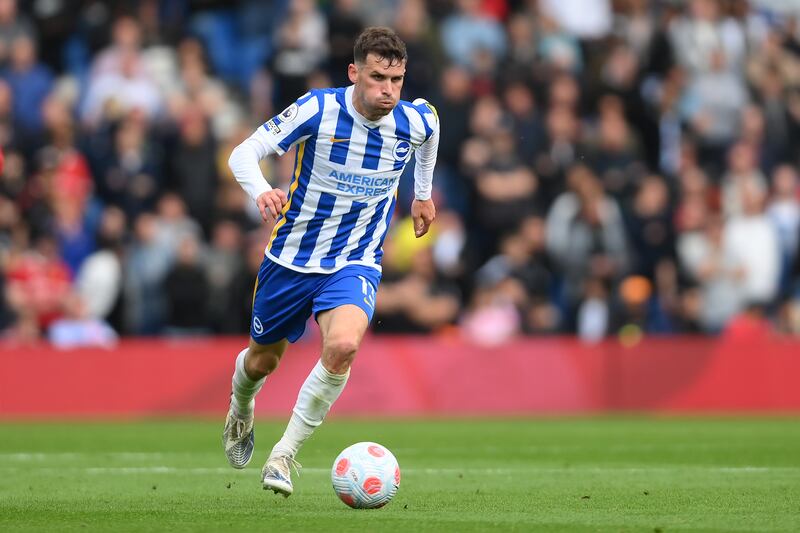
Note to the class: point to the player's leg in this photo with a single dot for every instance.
(253, 364)
(344, 308)
(282, 303)
(342, 330)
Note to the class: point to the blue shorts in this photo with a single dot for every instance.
(284, 298)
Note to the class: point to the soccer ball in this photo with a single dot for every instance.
(365, 475)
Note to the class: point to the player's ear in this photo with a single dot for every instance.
(352, 72)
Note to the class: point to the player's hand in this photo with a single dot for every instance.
(270, 204)
(422, 212)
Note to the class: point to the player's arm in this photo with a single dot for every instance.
(423, 211)
(276, 136)
(243, 162)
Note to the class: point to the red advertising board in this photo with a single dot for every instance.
(412, 376)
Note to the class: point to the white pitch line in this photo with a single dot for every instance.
(66, 456)
(163, 469)
(544, 449)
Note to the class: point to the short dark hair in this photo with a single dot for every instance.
(382, 42)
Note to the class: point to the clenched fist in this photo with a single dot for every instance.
(422, 212)
(270, 203)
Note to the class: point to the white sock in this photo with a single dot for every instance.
(244, 388)
(316, 396)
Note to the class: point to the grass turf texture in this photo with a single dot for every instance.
(606, 474)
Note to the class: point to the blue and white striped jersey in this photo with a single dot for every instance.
(347, 169)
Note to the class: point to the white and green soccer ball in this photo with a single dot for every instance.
(365, 475)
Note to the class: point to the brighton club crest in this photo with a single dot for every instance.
(401, 150)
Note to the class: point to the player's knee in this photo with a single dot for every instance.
(340, 351)
(261, 363)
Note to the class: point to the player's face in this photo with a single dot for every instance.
(377, 85)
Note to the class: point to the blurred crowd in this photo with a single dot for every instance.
(608, 167)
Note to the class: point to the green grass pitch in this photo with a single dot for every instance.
(565, 474)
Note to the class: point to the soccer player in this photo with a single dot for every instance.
(324, 254)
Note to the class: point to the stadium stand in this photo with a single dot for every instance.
(632, 167)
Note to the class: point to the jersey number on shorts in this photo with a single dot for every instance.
(369, 292)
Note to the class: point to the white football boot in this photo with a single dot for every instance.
(239, 439)
(276, 474)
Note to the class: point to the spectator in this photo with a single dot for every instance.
(719, 273)
(126, 45)
(522, 52)
(112, 94)
(448, 248)
(773, 56)
(128, 175)
(301, 47)
(345, 24)
(586, 236)
(30, 83)
(224, 267)
(192, 171)
(174, 224)
(560, 51)
(705, 41)
(593, 321)
(244, 283)
(38, 282)
(422, 301)
(522, 268)
(120, 81)
(538, 276)
(712, 105)
(75, 215)
(753, 240)
(493, 317)
(468, 31)
(506, 189)
(78, 329)
(650, 227)
(559, 151)
(525, 119)
(455, 102)
(413, 25)
(196, 87)
(614, 149)
(187, 291)
(13, 24)
(585, 20)
(637, 27)
(743, 172)
(145, 269)
(784, 213)
(99, 280)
